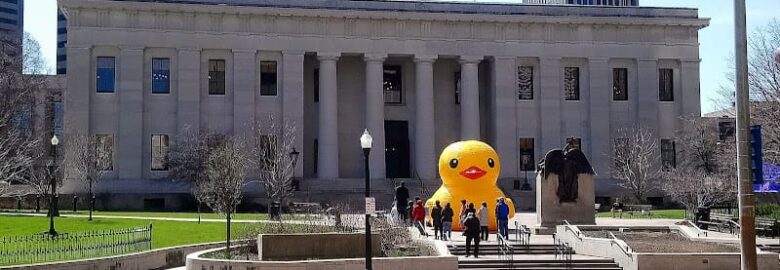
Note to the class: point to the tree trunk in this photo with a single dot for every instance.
(227, 240)
(199, 212)
(91, 201)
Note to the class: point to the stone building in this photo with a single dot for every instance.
(418, 75)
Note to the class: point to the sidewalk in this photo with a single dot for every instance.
(167, 219)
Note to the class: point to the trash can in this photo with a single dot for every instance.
(702, 214)
(274, 210)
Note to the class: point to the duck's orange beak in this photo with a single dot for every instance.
(473, 173)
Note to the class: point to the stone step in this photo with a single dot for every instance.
(573, 261)
(549, 268)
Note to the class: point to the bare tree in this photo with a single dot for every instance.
(706, 167)
(764, 82)
(271, 156)
(636, 159)
(88, 158)
(17, 100)
(225, 174)
(188, 162)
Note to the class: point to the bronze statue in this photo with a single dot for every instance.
(567, 164)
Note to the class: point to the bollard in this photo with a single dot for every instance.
(18, 203)
(37, 203)
(75, 201)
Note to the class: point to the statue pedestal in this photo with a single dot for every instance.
(551, 212)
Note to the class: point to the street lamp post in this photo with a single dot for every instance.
(747, 232)
(294, 157)
(53, 211)
(365, 142)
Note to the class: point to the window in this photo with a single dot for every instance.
(668, 154)
(457, 87)
(525, 82)
(527, 154)
(393, 85)
(316, 155)
(106, 74)
(726, 130)
(22, 119)
(620, 146)
(571, 83)
(54, 118)
(665, 84)
(159, 152)
(267, 147)
(316, 85)
(216, 77)
(574, 142)
(619, 84)
(268, 78)
(104, 144)
(161, 75)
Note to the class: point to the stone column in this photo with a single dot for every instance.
(76, 104)
(328, 160)
(469, 102)
(375, 111)
(689, 76)
(130, 140)
(292, 98)
(244, 81)
(189, 91)
(600, 98)
(425, 138)
(648, 94)
(504, 95)
(551, 96)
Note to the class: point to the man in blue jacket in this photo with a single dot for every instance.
(502, 214)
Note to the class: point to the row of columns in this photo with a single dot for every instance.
(424, 137)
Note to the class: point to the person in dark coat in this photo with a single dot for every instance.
(472, 230)
(446, 222)
(401, 200)
(436, 217)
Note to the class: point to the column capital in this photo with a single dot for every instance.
(374, 57)
(470, 59)
(293, 52)
(189, 49)
(243, 51)
(328, 56)
(425, 58)
(131, 48)
(647, 59)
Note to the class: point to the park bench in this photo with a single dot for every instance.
(643, 209)
(305, 208)
(767, 226)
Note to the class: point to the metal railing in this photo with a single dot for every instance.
(699, 231)
(67, 246)
(506, 251)
(563, 251)
(522, 234)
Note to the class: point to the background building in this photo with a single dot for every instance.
(62, 41)
(12, 16)
(524, 78)
(584, 2)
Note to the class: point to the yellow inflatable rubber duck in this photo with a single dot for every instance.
(469, 171)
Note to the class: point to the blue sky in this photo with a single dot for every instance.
(717, 40)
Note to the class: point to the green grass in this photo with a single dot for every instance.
(665, 214)
(164, 233)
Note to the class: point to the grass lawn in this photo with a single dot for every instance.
(164, 233)
(666, 214)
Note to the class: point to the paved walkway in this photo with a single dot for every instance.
(289, 221)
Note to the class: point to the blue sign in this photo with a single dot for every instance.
(756, 154)
(771, 181)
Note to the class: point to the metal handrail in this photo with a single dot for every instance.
(625, 248)
(698, 230)
(522, 234)
(506, 250)
(571, 228)
(562, 250)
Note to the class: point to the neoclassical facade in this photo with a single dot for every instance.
(417, 75)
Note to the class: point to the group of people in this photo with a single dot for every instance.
(475, 222)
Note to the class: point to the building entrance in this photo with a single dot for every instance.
(397, 149)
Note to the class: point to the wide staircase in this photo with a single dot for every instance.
(528, 257)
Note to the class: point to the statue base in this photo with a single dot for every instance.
(551, 212)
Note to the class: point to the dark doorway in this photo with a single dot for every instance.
(397, 149)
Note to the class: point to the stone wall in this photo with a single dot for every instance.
(288, 247)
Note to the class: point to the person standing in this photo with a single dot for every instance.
(418, 216)
(502, 215)
(437, 220)
(482, 213)
(446, 222)
(401, 200)
(471, 227)
(462, 214)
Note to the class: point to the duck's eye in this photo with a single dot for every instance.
(491, 163)
(454, 163)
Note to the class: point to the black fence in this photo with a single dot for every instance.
(43, 247)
